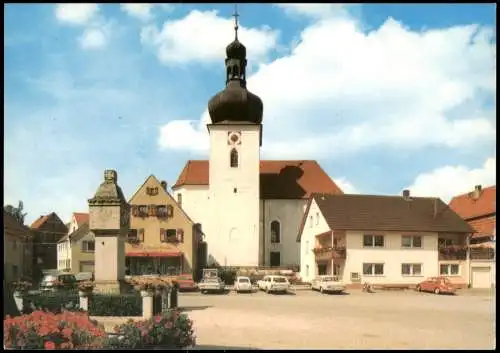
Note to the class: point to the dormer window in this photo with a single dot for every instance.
(234, 158)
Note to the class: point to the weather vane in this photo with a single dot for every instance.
(236, 15)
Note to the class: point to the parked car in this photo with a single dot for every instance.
(274, 284)
(243, 284)
(186, 283)
(436, 285)
(213, 284)
(58, 281)
(327, 284)
(84, 276)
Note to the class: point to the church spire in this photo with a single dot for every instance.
(236, 54)
(236, 15)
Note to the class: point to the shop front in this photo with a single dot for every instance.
(153, 263)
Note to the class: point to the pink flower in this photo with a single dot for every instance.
(49, 345)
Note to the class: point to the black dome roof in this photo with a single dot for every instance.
(236, 50)
(235, 104)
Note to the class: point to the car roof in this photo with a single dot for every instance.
(243, 277)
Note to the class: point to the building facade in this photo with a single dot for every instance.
(17, 249)
(478, 208)
(162, 239)
(76, 252)
(382, 239)
(65, 246)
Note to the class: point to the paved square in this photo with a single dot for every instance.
(357, 320)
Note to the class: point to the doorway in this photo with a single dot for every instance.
(321, 269)
(275, 259)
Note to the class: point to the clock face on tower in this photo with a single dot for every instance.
(234, 138)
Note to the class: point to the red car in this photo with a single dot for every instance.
(186, 282)
(436, 285)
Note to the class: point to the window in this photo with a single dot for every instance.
(310, 221)
(336, 269)
(168, 235)
(411, 241)
(373, 269)
(275, 232)
(317, 218)
(321, 269)
(88, 246)
(275, 259)
(411, 269)
(445, 242)
(307, 270)
(179, 199)
(307, 247)
(449, 269)
(373, 241)
(234, 158)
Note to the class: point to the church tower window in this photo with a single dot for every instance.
(275, 232)
(234, 158)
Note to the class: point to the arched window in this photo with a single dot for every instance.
(275, 232)
(234, 158)
(236, 72)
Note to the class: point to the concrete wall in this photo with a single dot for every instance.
(153, 224)
(289, 214)
(315, 224)
(234, 197)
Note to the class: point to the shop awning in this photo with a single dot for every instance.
(154, 254)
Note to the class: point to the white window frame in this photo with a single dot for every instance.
(373, 274)
(307, 247)
(311, 221)
(412, 271)
(317, 218)
(85, 248)
(412, 241)
(373, 241)
(448, 274)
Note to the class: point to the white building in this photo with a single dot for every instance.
(64, 252)
(382, 239)
(250, 210)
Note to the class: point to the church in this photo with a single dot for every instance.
(249, 209)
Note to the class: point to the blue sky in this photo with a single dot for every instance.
(385, 97)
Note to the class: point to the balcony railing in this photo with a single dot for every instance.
(329, 253)
(482, 254)
(452, 252)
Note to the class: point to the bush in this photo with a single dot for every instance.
(43, 330)
(170, 330)
(115, 304)
(228, 276)
(54, 302)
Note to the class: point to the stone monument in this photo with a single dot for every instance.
(109, 221)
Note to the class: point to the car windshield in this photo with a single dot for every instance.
(445, 281)
(279, 279)
(243, 280)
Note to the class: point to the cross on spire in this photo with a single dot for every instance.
(236, 15)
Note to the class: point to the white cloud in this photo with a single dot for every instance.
(140, 11)
(346, 186)
(343, 90)
(93, 38)
(314, 10)
(202, 36)
(449, 181)
(77, 14)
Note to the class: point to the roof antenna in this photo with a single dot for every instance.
(236, 15)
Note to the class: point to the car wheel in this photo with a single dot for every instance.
(321, 290)
(267, 290)
(436, 291)
(418, 289)
(203, 292)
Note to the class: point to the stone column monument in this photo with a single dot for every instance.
(109, 221)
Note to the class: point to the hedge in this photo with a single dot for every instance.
(53, 302)
(129, 304)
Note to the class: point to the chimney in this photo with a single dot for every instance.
(164, 185)
(406, 194)
(477, 192)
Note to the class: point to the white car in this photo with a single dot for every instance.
(211, 285)
(274, 284)
(243, 284)
(327, 284)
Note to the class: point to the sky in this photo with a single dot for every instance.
(384, 97)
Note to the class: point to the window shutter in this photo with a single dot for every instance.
(180, 235)
(170, 211)
(141, 234)
(162, 235)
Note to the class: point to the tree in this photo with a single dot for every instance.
(16, 212)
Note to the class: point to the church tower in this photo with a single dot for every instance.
(234, 165)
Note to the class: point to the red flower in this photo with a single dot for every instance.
(158, 319)
(67, 332)
(49, 345)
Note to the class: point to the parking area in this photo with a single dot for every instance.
(356, 320)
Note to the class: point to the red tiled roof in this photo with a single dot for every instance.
(278, 179)
(39, 222)
(484, 227)
(467, 207)
(81, 218)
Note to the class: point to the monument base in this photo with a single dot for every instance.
(111, 287)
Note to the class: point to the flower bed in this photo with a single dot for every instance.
(170, 330)
(115, 304)
(43, 330)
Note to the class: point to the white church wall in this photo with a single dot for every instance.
(289, 214)
(194, 202)
(233, 228)
(315, 224)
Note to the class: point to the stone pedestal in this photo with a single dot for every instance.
(147, 304)
(84, 302)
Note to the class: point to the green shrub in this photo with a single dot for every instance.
(115, 304)
(53, 302)
(170, 330)
(228, 276)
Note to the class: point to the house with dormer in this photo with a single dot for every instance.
(162, 239)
